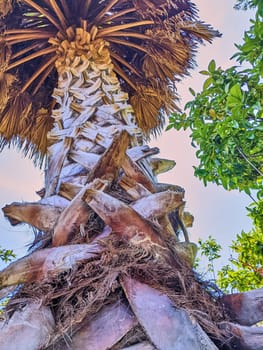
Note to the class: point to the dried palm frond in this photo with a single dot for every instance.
(5, 53)
(9, 123)
(151, 104)
(5, 7)
(198, 30)
(156, 63)
(169, 98)
(146, 104)
(36, 133)
(151, 43)
(6, 83)
(163, 8)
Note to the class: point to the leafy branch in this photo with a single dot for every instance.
(225, 120)
(6, 255)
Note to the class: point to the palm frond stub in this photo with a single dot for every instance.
(152, 45)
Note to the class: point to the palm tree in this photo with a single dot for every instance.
(83, 85)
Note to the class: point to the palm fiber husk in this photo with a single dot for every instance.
(80, 293)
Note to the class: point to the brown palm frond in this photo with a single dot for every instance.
(125, 64)
(159, 9)
(106, 9)
(147, 103)
(199, 30)
(46, 65)
(59, 13)
(170, 99)
(122, 74)
(47, 69)
(118, 15)
(169, 96)
(127, 43)
(34, 55)
(85, 4)
(153, 8)
(10, 125)
(112, 29)
(26, 50)
(5, 7)
(6, 80)
(24, 31)
(36, 148)
(181, 22)
(126, 34)
(37, 132)
(5, 54)
(65, 8)
(18, 38)
(6, 83)
(166, 58)
(152, 104)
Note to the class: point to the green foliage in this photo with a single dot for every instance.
(251, 49)
(226, 121)
(210, 249)
(226, 124)
(226, 118)
(255, 211)
(6, 255)
(245, 271)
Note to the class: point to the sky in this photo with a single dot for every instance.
(217, 212)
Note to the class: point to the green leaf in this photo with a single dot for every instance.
(212, 66)
(236, 92)
(234, 124)
(170, 126)
(204, 72)
(192, 91)
(207, 83)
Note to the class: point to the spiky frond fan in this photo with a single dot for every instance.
(151, 43)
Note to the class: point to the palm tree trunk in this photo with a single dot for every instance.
(108, 271)
(91, 109)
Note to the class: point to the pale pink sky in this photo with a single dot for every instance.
(217, 212)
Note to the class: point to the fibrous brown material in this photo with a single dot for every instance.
(74, 299)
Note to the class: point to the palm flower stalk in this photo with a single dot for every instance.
(83, 84)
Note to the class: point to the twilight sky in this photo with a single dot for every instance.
(217, 212)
